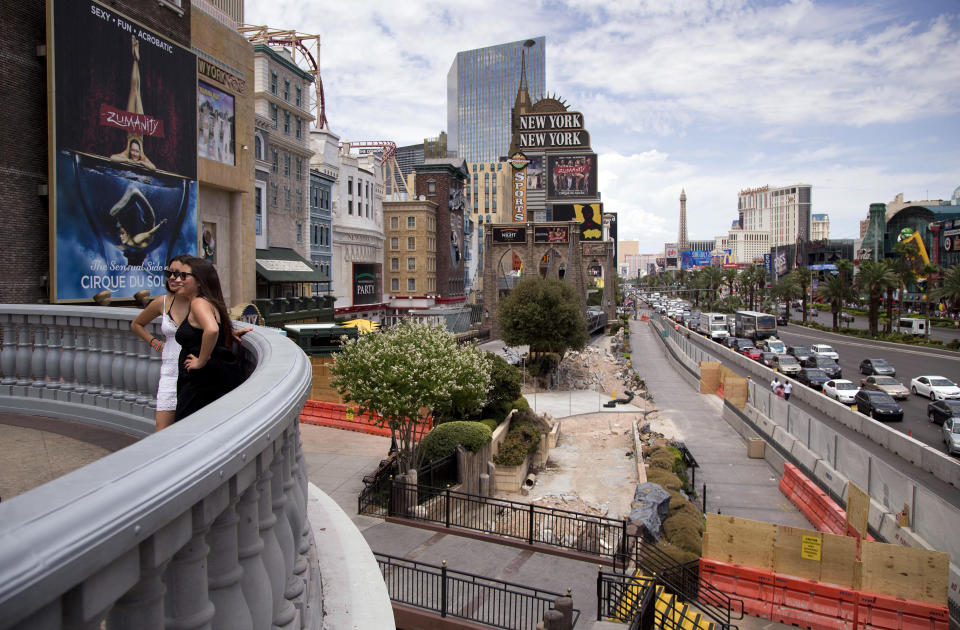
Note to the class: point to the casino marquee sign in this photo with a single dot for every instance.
(563, 130)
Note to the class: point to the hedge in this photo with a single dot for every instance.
(522, 439)
(444, 438)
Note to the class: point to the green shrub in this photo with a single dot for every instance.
(444, 438)
(505, 384)
(520, 404)
(522, 439)
(490, 423)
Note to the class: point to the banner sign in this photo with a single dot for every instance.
(510, 235)
(551, 234)
(780, 263)
(768, 264)
(695, 258)
(217, 126)
(558, 130)
(670, 250)
(589, 216)
(572, 176)
(123, 127)
(366, 283)
(519, 163)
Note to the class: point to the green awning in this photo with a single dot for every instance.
(282, 264)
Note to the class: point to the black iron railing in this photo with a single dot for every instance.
(479, 599)
(683, 579)
(688, 460)
(533, 524)
(626, 599)
(432, 478)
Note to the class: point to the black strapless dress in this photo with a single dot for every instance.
(200, 387)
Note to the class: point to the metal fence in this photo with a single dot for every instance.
(530, 523)
(432, 479)
(479, 599)
(626, 599)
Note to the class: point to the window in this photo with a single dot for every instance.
(276, 160)
(258, 210)
(275, 189)
(273, 82)
(299, 127)
(349, 206)
(368, 209)
(299, 200)
(314, 235)
(299, 232)
(349, 185)
(431, 186)
(274, 114)
(394, 284)
(299, 173)
(411, 284)
(286, 89)
(411, 223)
(286, 122)
(394, 264)
(299, 96)
(394, 223)
(257, 148)
(411, 264)
(411, 242)
(286, 164)
(286, 197)
(394, 243)
(314, 197)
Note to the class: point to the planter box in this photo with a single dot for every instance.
(510, 478)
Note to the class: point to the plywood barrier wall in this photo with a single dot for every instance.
(905, 572)
(709, 377)
(734, 387)
(321, 388)
(858, 509)
(884, 569)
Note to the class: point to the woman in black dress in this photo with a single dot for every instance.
(208, 369)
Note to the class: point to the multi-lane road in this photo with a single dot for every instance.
(908, 361)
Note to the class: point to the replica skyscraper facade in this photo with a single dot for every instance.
(481, 86)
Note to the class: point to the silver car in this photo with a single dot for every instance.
(886, 384)
(951, 435)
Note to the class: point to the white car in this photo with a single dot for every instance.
(825, 351)
(935, 388)
(774, 345)
(841, 390)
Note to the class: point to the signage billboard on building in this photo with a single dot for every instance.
(670, 250)
(509, 235)
(216, 123)
(697, 258)
(571, 176)
(589, 216)
(559, 130)
(366, 283)
(123, 130)
(518, 163)
(551, 234)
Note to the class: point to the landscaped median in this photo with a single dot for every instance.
(907, 339)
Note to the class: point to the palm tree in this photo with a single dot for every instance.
(909, 254)
(801, 276)
(785, 289)
(949, 288)
(714, 278)
(875, 278)
(845, 273)
(929, 272)
(834, 292)
(730, 277)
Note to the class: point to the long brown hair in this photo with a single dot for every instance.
(208, 287)
(182, 259)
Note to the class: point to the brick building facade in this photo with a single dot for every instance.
(442, 181)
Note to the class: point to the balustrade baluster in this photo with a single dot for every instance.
(119, 367)
(224, 570)
(8, 353)
(52, 367)
(93, 364)
(68, 352)
(143, 366)
(105, 350)
(295, 507)
(294, 585)
(38, 361)
(130, 372)
(284, 614)
(153, 380)
(187, 604)
(255, 581)
(298, 471)
(23, 355)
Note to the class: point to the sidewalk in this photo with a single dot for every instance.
(735, 484)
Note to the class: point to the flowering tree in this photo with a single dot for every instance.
(405, 372)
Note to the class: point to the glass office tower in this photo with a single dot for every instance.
(481, 87)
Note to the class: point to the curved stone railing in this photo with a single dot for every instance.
(203, 525)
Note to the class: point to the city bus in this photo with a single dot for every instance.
(754, 325)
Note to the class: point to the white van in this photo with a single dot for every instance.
(911, 326)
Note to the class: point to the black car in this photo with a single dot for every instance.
(877, 366)
(768, 359)
(813, 378)
(801, 353)
(742, 344)
(729, 341)
(782, 320)
(829, 366)
(878, 405)
(942, 409)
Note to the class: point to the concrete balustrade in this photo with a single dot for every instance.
(203, 525)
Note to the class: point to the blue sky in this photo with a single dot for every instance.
(859, 99)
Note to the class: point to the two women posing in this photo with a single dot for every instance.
(198, 364)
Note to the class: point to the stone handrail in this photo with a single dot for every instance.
(203, 525)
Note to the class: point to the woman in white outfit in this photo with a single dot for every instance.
(172, 311)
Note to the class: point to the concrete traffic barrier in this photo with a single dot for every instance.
(807, 458)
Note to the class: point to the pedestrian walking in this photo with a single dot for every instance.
(786, 390)
(775, 383)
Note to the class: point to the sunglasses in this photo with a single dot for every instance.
(177, 275)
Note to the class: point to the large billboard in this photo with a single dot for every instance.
(700, 258)
(123, 126)
(216, 124)
(589, 216)
(572, 177)
(366, 283)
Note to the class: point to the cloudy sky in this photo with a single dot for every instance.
(859, 99)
